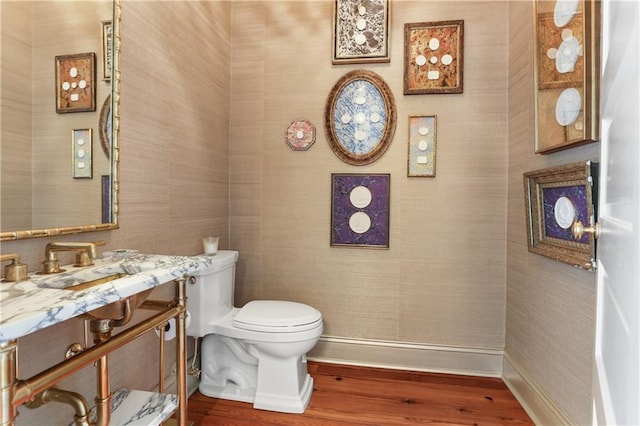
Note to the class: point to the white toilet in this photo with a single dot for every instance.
(256, 353)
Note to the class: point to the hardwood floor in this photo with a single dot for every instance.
(348, 395)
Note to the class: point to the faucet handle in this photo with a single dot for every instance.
(85, 257)
(16, 271)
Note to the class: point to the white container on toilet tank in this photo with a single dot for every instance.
(256, 353)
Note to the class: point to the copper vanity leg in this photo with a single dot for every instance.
(8, 373)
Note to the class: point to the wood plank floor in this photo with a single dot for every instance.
(348, 395)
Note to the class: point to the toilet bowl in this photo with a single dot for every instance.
(256, 353)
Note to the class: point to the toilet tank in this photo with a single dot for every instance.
(211, 296)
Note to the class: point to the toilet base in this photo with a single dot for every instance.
(272, 402)
(229, 391)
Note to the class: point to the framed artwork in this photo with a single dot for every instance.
(107, 49)
(75, 83)
(360, 31)
(300, 135)
(105, 126)
(82, 154)
(360, 117)
(106, 198)
(422, 146)
(433, 59)
(561, 213)
(360, 210)
(567, 61)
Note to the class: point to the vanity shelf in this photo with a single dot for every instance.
(133, 407)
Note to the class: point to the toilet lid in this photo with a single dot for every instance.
(277, 316)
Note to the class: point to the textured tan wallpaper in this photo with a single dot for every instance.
(15, 116)
(442, 281)
(550, 305)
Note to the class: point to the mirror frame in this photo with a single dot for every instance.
(115, 153)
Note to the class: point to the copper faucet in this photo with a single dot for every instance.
(85, 253)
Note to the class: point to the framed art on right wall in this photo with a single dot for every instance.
(562, 214)
(567, 61)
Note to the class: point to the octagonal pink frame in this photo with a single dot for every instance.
(300, 135)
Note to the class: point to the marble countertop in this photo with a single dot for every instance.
(35, 304)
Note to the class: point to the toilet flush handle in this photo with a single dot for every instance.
(192, 280)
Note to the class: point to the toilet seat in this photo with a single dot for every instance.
(276, 316)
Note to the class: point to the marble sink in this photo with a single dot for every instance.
(45, 300)
(103, 271)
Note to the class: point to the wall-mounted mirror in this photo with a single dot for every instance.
(59, 170)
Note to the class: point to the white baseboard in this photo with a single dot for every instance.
(409, 356)
(443, 359)
(534, 400)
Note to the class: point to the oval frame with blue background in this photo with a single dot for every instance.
(360, 117)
